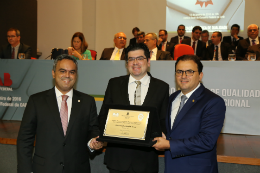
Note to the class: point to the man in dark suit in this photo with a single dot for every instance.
(205, 37)
(194, 120)
(64, 123)
(163, 44)
(12, 50)
(178, 39)
(198, 46)
(118, 52)
(218, 51)
(253, 39)
(122, 90)
(234, 38)
(135, 30)
(151, 42)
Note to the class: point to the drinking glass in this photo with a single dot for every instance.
(232, 57)
(251, 57)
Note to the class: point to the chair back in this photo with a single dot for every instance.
(93, 54)
(182, 49)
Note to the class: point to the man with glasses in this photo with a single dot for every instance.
(12, 50)
(137, 88)
(155, 54)
(194, 121)
(118, 52)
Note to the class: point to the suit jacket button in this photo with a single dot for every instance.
(61, 163)
(170, 138)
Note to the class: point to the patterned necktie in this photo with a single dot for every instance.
(117, 57)
(216, 53)
(64, 113)
(183, 98)
(13, 53)
(253, 42)
(193, 46)
(163, 47)
(180, 40)
(138, 93)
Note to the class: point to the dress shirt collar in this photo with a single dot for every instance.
(154, 51)
(193, 41)
(116, 49)
(190, 93)
(218, 45)
(59, 94)
(16, 47)
(144, 81)
(256, 40)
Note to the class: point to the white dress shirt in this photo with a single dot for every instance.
(16, 49)
(153, 57)
(219, 52)
(196, 43)
(256, 41)
(114, 53)
(176, 104)
(145, 81)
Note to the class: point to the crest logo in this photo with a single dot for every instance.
(201, 2)
(7, 80)
(140, 117)
(115, 114)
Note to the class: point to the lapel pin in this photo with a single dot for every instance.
(193, 100)
(78, 100)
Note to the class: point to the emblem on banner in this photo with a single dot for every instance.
(7, 80)
(201, 2)
(140, 117)
(115, 114)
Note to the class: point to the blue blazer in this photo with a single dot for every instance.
(194, 134)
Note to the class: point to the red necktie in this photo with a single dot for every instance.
(163, 47)
(180, 40)
(64, 113)
(193, 46)
(13, 53)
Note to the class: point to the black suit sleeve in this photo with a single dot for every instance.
(26, 138)
(163, 106)
(93, 123)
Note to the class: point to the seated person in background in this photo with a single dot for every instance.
(140, 37)
(135, 30)
(117, 52)
(178, 39)
(12, 50)
(79, 46)
(253, 39)
(163, 44)
(155, 54)
(198, 46)
(205, 37)
(255, 49)
(218, 51)
(234, 38)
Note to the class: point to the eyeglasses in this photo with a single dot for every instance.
(187, 73)
(120, 38)
(11, 36)
(139, 58)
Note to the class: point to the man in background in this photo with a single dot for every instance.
(198, 46)
(163, 44)
(234, 38)
(181, 32)
(12, 50)
(155, 54)
(140, 37)
(117, 52)
(205, 37)
(135, 30)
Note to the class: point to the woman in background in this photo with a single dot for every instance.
(79, 47)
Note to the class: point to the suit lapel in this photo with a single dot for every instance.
(151, 90)
(19, 50)
(188, 105)
(123, 55)
(169, 111)
(75, 108)
(158, 54)
(124, 90)
(54, 109)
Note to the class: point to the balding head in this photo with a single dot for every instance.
(252, 31)
(120, 40)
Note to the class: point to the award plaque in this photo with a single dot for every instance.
(131, 125)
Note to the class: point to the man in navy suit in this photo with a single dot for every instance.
(194, 120)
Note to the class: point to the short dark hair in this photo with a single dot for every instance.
(194, 58)
(181, 25)
(205, 31)
(61, 57)
(219, 34)
(137, 46)
(196, 28)
(165, 32)
(235, 25)
(16, 31)
(135, 29)
(141, 33)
